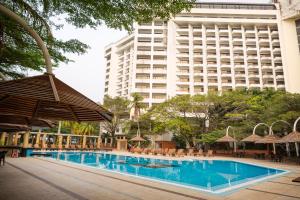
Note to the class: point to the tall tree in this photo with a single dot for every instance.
(120, 108)
(137, 105)
(18, 51)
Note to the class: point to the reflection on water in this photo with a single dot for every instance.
(205, 174)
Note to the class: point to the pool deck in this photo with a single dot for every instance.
(42, 178)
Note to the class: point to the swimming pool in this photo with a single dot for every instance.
(213, 176)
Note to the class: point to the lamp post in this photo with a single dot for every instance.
(227, 134)
(272, 133)
(294, 130)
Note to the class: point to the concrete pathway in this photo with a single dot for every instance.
(40, 178)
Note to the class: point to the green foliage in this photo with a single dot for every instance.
(211, 137)
(18, 51)
(119, 107)
(83, 128)
(242, 109)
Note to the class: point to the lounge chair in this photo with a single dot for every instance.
(78, 147)
(91, 147)
(152, 152)
(137, 150)
(171, 152)
(209, 153)
(190, 152)
(180, 153)
(145, 151)
(165, 151)
(53, 146)
(199, 153)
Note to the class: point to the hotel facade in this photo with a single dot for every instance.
(214, 47)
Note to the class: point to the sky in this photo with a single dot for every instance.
(86, 74)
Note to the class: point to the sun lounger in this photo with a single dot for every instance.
(165, 152)
(53, 146)
(199, 153)
(145, 151)
(209, 153)
(180, 153)
(78, 147)
(190, 152)
(91, 147)
(171, 152)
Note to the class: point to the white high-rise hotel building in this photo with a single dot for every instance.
(215, 46)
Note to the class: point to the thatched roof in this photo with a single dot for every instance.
(268, 139)
(291, 137)
(226, 138)
(138, 139)
(252, 138)
(46, 97)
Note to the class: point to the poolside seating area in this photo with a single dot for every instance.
(171, 152)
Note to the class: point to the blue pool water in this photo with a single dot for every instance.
(214, 176)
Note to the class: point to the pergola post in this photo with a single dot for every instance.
(2, 139)
(44, 141)
(60, 137)
(99, 142)
(37, 140)
(10, 139)
(15, 143)
(105, 141)
(84, 141)
(26, 140)
(68, 142)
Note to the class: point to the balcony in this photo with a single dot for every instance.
(159, 71)
(254, 85)
(143, 61)
(160, 53)
(281, 86)
(277, 59)
(144, 52)
(267, 76)
(275, 41)
(159, 90)
(249, 32)
(263, 41)
(143, 70)
(182, 38)
(241, 85)
(267, 67)
(253, 76)
(142, 90)
(144, 43)
(253, 67)
(197, 46)
(279, 68)
(180, 46)
(280, 77)
(225, 66)
(185, 55)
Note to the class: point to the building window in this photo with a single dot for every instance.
(298, 32)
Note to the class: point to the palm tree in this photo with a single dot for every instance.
(87, 128)
(137, 105)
